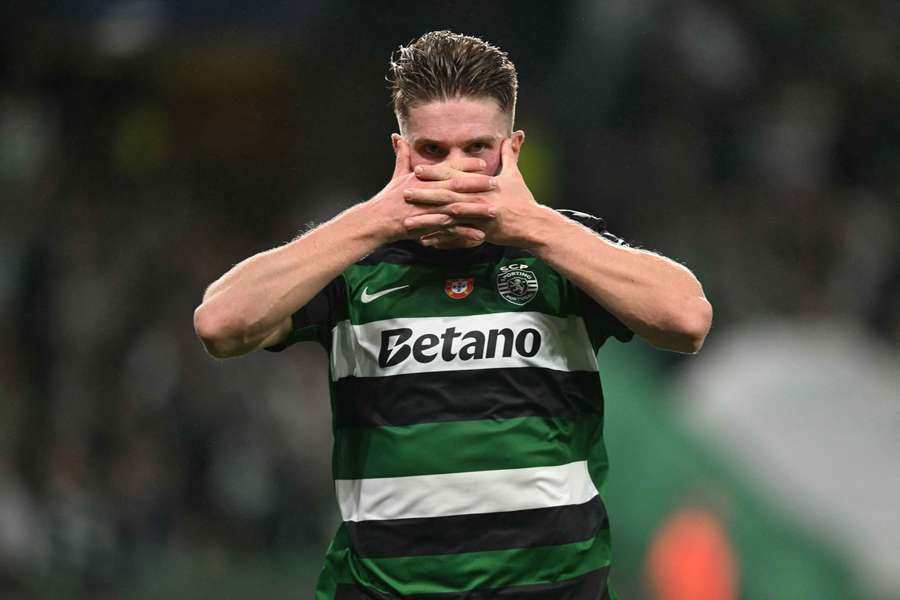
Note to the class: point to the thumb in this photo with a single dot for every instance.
(402, 164)
(508, 158)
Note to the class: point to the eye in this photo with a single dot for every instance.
(431, 149)
(477, 148)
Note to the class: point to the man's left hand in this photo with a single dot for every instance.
(518, 215)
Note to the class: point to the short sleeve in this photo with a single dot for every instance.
(601, 324)
(315, 321)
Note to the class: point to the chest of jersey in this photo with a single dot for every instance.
(413, 319)
(390, 290)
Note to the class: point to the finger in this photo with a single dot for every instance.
(466, 184)
(430, 196)
(430, 222)
(450, 242)
(447, 170)
(472, 184)
(434, 222)
(402, 165)
(468, 164)
(470, 233)
(419, 195)
(445, 240)
(451, 236)
(463, 210)
(509, 160)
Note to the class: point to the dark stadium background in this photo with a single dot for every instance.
(148, 145)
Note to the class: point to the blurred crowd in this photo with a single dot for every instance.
(145, 148)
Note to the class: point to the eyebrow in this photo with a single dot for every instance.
(484, 139)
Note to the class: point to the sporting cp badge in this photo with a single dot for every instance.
(459, 288)
(517, 284)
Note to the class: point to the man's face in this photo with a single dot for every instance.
(445, 130)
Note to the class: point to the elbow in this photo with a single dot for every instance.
(683, 330)
(217, 331)
(694, 324)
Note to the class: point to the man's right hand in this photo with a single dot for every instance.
(250, 306)
(463, 219)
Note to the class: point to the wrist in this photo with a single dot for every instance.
(376, 223)
(365, 226)
(544, 226)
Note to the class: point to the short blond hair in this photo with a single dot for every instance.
(442, 65)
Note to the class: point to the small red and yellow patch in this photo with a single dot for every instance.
(459, 288)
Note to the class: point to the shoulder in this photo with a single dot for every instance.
(593, 223)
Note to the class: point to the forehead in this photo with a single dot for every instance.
(458, 119)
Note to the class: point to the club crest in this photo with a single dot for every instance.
(517, 284)
(459, 288)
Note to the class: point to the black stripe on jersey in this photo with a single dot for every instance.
(478, 533)
(591, 586)
(414, 398)
(408, 252)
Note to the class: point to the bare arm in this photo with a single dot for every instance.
(250, 306)
(657, 298)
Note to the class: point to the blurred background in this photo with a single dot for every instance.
(146, 146)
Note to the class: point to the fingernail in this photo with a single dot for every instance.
(407, 192)
(492, 211)
(479, 235)
(482, 163)
(493, 182)
(419, 169)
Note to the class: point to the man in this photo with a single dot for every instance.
(462, 320)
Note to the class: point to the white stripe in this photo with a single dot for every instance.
(424, 496)
(565, 345)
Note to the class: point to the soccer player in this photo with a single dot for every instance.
(462, 320)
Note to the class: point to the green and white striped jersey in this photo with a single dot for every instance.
(468, 426)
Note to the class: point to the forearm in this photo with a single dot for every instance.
(245, 308)
(658, 299)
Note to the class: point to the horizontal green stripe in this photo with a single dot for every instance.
(463, 446)
(425, 296)
(477, 570)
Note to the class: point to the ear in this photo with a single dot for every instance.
(517, 139)
(402, 165)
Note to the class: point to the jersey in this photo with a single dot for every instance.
(468, 454)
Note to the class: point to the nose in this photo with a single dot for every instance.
(455, 155)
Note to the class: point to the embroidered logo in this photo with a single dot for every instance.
(517, 284)
(459, 288)
(366, 297)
